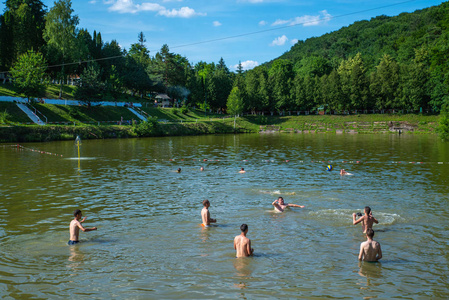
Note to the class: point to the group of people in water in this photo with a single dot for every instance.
(370, 250)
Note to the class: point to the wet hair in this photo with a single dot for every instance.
(242, 169)
(205, 202)
(280, 198)
(370, 233)
(243, 227)
(367, 209)
(179, 170)
(76, 212)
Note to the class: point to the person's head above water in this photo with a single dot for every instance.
(367, 210)
(281, 200)
(244, 227)
(77, 212)
(179, 170)
(370, 233)
(206, 203)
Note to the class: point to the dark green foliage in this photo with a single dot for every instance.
(443, 128)
(146, 128)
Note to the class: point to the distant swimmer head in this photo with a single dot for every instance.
(206, 203)
(281, 200)
(77, 212)
(201, 169)
(244, 227)
(179, 170)
(367, 210)
(329, 167)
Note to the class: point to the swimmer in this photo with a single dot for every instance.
(179, 170)
(280, 205)
(75, 227)
(242, 170)
(242, 244)
(205, 215)
(367, 220)
(370, 250)
(201, 169)
(343, 172)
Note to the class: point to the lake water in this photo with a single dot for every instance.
(149, 244)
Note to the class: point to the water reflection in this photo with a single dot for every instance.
(370, 271)
(75, 260)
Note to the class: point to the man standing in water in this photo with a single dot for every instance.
(367, 220)
(280, 205)
(242, 244)
(75, 227)
(370, 250)
(205, 215)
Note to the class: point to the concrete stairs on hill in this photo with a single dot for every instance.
(30, 114)
(139, 115)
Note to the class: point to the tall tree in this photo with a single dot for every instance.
(60, 34)
(280, 78)
(28, 74)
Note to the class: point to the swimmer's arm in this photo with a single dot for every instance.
(235, 245)
(276, 205)
(85, 229)
(354, 221)
(379, 252)
(361, 252)
(295, 205)
(249, 249)
(209, 219)
(375, 220)
(84, 219)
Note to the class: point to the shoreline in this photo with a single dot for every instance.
(250, 124)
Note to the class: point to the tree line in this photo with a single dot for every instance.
(396, 62)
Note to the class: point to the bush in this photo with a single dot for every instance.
(4, 116)
(184, 110)
(443, 126)
(146, 128)
(175, 111)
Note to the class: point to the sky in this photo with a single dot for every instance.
(248, 31)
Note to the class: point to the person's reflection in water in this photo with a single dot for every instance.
(370, 271)
(204, 236)
(76, 260)
(243, 270)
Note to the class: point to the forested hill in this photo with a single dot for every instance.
(397, 36)
(399, 62)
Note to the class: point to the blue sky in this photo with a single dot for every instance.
(199, 29)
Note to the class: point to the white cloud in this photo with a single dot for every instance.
(93, 1)
(216, 23)
(279, 41)
(294, 41)
(262, 23)
(251, 1)
(183, 12)
(306, 20)
(172, 0)
(247, 65)
(128, 6)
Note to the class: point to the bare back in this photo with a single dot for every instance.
(370, 251)
(367, 222)
(75, 230)
(242, 245)
(205, 216)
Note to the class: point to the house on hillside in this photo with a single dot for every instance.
(163, 100)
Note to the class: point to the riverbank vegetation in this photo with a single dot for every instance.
(386, 63)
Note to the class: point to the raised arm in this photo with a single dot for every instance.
(295, 205)
(85, 229)
(354, 221)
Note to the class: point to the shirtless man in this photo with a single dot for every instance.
(75, 227)
(343, 172)
(205, 215)
(367, 220)
(280, 205)
(242, 170)
(370, 250)
(243, 244)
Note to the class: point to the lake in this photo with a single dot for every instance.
(150, 245)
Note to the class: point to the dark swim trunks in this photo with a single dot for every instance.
(73, 242)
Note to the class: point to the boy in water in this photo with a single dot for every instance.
(75, 227)
(367, 220)
(280, 205)
(370, 250)
(242, 170)
(205, 215)
(243, 244)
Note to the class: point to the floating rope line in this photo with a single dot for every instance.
(20, 147)
(297, 161)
